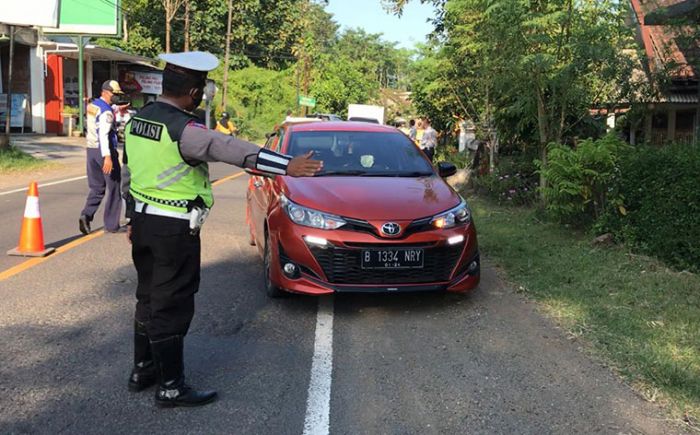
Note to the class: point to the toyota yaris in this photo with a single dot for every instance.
(378, 217)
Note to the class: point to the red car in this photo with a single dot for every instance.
(378, 218)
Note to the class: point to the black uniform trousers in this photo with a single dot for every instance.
(167, 260)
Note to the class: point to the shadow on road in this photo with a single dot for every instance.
(63, 367)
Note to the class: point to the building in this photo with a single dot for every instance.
(668, 31)
(45, 78)
(100, 64)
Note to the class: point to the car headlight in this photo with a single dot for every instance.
(309, 217)
(453, 217)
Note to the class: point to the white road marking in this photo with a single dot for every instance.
(24, 189)
(318, 402)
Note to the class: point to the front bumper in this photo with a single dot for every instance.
(336, 267)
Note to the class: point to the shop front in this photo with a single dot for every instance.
(100, 64)
(25, 69)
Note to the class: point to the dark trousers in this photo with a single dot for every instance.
(429, 152)
(99, 182)
(167, 260)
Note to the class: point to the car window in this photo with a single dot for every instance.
(361, 153)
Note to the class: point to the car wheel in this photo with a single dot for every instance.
(270, 288)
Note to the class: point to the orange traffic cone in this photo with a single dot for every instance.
(31, 237)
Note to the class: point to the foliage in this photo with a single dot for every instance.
(279, 48)
(662, 202)
(263, 31)
(260, 99)
(639, 316)
(530, 70)
(354, 68)
(581, 179)
(447, 153)
(513, 181)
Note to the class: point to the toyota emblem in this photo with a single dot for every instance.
(391, 229)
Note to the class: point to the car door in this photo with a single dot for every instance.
(257, 212)
(269, 189)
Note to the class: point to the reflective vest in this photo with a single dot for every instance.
(95, 109)
(159, 174)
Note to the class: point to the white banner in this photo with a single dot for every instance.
(151, 83)
(43, 13)
(19, 107)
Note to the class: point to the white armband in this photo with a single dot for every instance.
(272, 162)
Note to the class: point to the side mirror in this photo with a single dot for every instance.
(256, 173)
(446, 169)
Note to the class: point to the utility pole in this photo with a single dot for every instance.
(227, 55)
(298, 74)
(5, 140)
(81, 83)
(187, 25)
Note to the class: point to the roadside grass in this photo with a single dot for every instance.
(13, 160)
(641, 318)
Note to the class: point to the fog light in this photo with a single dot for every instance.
(318, 241)
(291, 270)
(473, 266)
(455, 240)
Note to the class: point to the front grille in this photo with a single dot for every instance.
(361, 226)
(344, 266)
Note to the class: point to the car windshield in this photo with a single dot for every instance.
(361, 153)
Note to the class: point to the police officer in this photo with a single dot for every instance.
(103, 171)
(166, 154)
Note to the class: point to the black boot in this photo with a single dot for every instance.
(143, 375)
(172, 389)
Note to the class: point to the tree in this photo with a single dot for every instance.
(170, 7)
(526, 66)
(186, 47)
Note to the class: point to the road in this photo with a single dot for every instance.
(487, 363)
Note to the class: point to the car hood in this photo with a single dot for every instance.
(370, 198)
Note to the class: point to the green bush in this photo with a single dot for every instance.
(446, 153)
(580, 180)
(513, 181)
(258, 99)
(661, 191)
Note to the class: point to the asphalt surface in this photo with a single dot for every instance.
(402, 363)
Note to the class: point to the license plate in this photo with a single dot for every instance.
(392, 259)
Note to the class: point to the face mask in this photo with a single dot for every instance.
(113, 99)
(199, 97)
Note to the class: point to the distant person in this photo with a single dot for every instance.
(103, 170)
(412, 130)
(420, 128)
(428, 141)
(463, 137)
(226, 126)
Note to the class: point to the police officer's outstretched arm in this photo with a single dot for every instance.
(200, 144)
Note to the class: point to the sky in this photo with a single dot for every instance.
(369, 15)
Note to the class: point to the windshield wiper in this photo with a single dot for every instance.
(415, 174)
(398, 174)
(349, 173)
